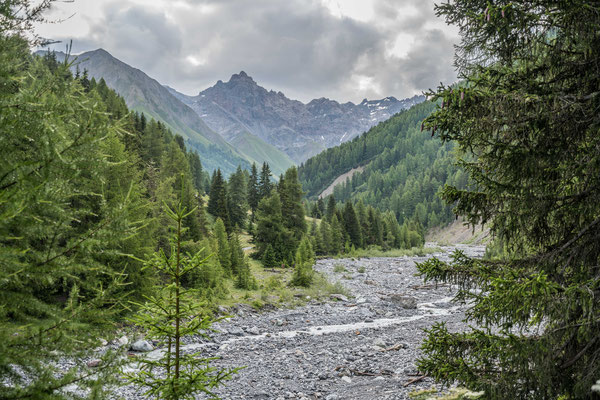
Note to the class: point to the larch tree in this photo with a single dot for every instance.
(527, 125)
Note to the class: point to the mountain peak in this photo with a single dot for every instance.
(242, 76)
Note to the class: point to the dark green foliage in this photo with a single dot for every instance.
(292, 211)
(171, 315)
(269, 258)
(237, 198)
(223, 250)
(217, 202)
(264, 186)
(352, 226)
(270, 230)
(403, 169)
(253, 190)
(528, 129)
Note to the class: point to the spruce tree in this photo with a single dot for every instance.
(217, 200)
(223, 249)
(351, 225)
(270, 230)
(526, 123)
(253, 190)
(237, 198)
(265, 186)
(292, 211)
(171, 315)
(330, 208)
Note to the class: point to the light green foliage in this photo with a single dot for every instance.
(170, 315)
(339, 268)
(305, 258)
(69, 201)
(527, 128)
(223, 250)
(270, 229)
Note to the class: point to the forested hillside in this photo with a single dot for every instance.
(404, 168)
(144, 94)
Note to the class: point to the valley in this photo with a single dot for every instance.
(360, 346)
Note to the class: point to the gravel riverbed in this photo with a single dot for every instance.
(363, 346)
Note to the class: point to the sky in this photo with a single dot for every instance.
(344, 50)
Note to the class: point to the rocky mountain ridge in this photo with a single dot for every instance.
(301, 130)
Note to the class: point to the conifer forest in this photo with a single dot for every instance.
(239, 244)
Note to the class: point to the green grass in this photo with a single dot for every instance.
(452, 394)
(339, 268)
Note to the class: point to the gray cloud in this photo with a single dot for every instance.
(296, 46)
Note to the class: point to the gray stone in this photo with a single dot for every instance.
(379, 342)
(253, 330)
(346, 379)
(337, 296)
(142, 345)
(94, 363)
(404, 301)
(122, 341)
(234, 330)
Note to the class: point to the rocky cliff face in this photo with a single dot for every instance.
(241, 106)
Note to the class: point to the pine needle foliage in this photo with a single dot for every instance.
(170, 315)
(527, 124)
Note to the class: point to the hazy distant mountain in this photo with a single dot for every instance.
(144, 94)
(241, 106)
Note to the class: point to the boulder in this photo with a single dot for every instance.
(404, 301)
(141, 346)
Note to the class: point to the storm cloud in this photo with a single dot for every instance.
(345, 50)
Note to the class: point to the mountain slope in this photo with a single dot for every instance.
(241, 106)
(403, 169)
(144, 94)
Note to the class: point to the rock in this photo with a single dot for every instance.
(103, 342)
(253, 330)
(223, 310)
(379, 378)
(370, 282)
(404, 301)
(361, 300)
(142, 345)
(122, 341)
(332, 396)
(94, 363)
(235, 331)
(337, 296)
(379, 342)
(346, 379)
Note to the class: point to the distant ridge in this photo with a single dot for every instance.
(144, 94)
(241, 106)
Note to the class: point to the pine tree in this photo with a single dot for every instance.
(351, 225)
(171, 315)
(330, 208)
(337, 236)
(265, 186)
(223, 250)
(217, 200)
(270, 229)
(305, 258)
(292, 211)
(237, 198)
(253, 190)
(269, 259)
(527, 125)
